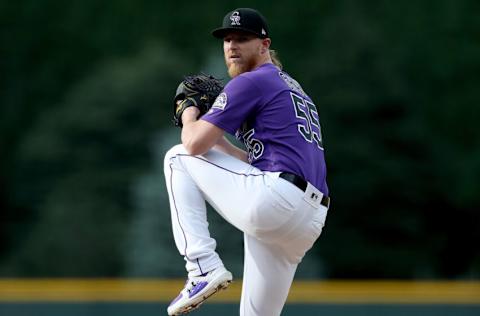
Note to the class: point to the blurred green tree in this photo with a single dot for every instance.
(77, 166)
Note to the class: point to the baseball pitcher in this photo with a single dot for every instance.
(275, 192)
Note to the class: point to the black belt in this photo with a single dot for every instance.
(302, 185)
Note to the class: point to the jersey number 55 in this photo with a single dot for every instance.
(310, 127)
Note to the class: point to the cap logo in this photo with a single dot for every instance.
(235, 18)
(263, 31)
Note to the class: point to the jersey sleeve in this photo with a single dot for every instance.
(232, 107)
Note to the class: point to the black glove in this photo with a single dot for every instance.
(197, 90)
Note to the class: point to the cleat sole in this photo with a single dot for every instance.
(190, 308)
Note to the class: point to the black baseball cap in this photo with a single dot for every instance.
(243, 19)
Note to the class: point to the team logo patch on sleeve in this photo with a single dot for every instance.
(220, 101)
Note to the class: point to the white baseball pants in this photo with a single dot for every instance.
(279, 222)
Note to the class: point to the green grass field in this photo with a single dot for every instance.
(212, 309)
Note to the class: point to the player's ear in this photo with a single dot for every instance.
(266, 45)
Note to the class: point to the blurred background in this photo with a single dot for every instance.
(86, 92)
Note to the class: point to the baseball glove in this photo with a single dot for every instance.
(197, 90)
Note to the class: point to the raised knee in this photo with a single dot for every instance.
(173, 152)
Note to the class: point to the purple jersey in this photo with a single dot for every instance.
(276, 120)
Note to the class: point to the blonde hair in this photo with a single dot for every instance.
(275, 60)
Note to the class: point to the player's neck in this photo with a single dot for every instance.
(266, 59)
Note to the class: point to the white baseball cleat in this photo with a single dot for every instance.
(198, 289)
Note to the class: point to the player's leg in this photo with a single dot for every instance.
(239, 192)
(219, 178)
(270, 265)
(267, 277)
(206, 273)
(188, 178)
(189, 222)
